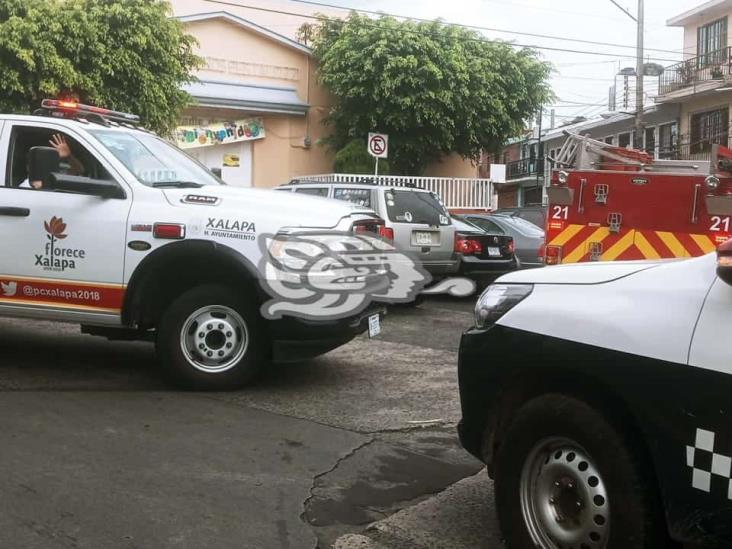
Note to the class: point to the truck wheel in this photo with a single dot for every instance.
(565, 478)
(211, 338)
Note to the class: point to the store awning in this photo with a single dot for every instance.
(233, 95)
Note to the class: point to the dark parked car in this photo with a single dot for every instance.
(483, 256)
(528, 239)
(534, 214)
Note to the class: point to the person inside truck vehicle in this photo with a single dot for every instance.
(59, 143)
(75, 158)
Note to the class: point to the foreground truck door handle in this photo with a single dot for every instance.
(14, 212)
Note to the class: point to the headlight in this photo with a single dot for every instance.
(497, 300)
(712, 183)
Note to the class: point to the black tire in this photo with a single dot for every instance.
(635, 520)
(178, 366)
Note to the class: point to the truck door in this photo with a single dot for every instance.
(705, 423)
(59, 252)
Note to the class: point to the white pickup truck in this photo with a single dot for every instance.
(130, 238)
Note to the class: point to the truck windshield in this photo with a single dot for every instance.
(155, 162)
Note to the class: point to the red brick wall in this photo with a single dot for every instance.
(508, 198)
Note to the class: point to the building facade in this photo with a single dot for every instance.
(258, 108)
(701, 85)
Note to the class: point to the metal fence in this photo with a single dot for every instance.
(716, 65)
(456, 192)
(525, 167)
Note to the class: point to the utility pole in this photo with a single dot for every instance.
(639, 70)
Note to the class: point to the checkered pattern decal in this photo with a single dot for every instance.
(711, 472)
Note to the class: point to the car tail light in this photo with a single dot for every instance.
(511, 246)
(542, 251)
(368, 226)
(553, 255)
(169, 231)
(386, 232)
(724, 262)
(467, 246)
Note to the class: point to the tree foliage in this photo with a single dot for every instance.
(355, 158)
(434, 88)
(127, 55)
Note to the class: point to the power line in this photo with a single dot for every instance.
(476, 27)
(625, 11)
(513, 44)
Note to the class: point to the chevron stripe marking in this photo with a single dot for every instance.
(704, 242)
(620, 246)
(673, 244)
(645, 247)
(562, 238)
(581, 250)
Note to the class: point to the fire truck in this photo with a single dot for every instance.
(608, 203)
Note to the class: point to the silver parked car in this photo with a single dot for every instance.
(528, 239)
(415, 219)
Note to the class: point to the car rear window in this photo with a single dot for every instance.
(314, 191)
(466, 226)
(527, 228)
(362, 197)
(407, 206)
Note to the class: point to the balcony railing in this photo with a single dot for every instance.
(698, 149)
(716, 65)
(526, 167)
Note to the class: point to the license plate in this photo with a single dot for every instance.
(494, 252)
(423, 238)
(374, 326)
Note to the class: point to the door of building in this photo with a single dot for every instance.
(233, 159)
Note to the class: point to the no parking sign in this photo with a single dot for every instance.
(378, 145)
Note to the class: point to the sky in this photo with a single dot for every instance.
(578, 77)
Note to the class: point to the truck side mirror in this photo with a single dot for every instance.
(724, 262)
(42, 162)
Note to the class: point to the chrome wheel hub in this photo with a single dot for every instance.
(214, 338)
(563, 497)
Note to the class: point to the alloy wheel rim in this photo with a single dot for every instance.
(564, 500)
(214, 338)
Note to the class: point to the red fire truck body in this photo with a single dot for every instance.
(608, 203)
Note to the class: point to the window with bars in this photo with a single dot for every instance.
(650, 145)
(711, 40)
(708, 128)
(668, 140)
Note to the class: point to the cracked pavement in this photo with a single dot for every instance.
(98, 451)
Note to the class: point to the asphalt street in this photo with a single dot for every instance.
(353, 449)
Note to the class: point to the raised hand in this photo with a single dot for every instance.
(59, 143)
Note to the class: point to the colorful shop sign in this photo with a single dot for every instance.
(218, 133)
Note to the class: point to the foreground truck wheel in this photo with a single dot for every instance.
(210, 338)
(565, 478)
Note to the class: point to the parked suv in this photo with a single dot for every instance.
(415, 219)
(139, 241)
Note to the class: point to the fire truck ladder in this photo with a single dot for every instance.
(581, 152)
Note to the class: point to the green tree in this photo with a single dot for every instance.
(355, 158)
(127, 55)
(434, 88)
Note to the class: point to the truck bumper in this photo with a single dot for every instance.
(295, 339)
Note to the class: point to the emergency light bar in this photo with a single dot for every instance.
(73, 107)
